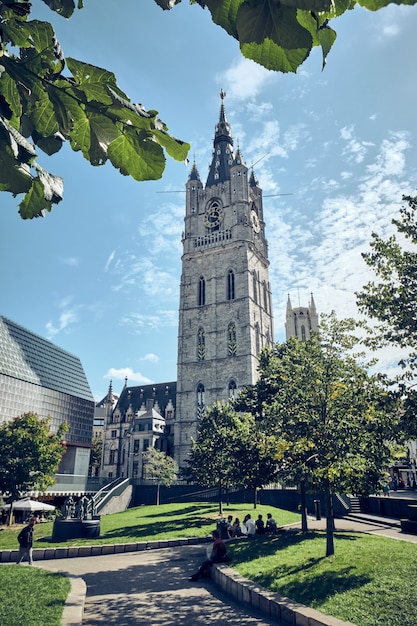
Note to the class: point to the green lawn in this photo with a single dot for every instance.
(371, 581)
(144, 523)
(30, 595)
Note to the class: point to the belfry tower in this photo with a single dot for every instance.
(225, 311)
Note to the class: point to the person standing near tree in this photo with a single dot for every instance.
(25, 539)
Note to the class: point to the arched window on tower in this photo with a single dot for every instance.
(232, 389)
(303, 333)
(230, 285)
(200, 400)
(201, 291)
(257, 339)
(255, 286)
(201, 345)
(231, 339)
(265, 297)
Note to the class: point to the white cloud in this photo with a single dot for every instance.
(126, 372)
(244, 79)
(109, 260)
(142, 324)
(65, 320)
(152, 358)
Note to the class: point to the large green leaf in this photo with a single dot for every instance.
(137, 155)
(86, 73)
(273, 38)
(36, 34)
(224, 13)
(176, 148)
(63, 7)
(9, 91)
(39, 198)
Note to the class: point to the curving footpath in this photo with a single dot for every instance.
(147, 583)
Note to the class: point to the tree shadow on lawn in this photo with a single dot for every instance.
(311, 588)
(179, 511)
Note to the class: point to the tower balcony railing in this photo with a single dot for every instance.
(213, 239)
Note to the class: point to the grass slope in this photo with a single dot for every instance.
(370, 581)
(145, 523)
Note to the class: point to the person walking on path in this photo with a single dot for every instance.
(25, 539)
(218, 555)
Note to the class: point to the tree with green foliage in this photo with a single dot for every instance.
(280, 34)
(221, 433)
(255, 459)
(161, 468)
(29, 455)
(391, 301)
(47, 100)
(96, 453)
(332, 420)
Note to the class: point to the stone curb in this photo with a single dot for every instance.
(41, 554)
(268, 603)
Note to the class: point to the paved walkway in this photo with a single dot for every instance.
(152, 589)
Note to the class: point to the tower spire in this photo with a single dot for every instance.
(222, 159)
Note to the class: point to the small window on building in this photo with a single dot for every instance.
(201, 291)
(255, 286)
(232, 389)
(112, 457)
(200, 400)
(113, 434)
(230, 285)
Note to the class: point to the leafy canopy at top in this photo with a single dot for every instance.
(46, 100)
(279, 34)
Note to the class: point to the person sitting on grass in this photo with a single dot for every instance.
(271, 525)
(260, 526)
(218, 555)
(249, 525)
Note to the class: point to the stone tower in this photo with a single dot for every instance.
(301, 321)
(225, 311)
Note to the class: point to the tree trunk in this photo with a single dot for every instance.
(157, 493)
(220, 501)
(255, 497)
(303, 507)
(329, 522)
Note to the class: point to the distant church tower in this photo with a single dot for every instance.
(225, 312)
(301, 321)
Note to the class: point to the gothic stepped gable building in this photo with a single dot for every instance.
(39, 377)
(301, 322)
(225, 312)
(142, 417)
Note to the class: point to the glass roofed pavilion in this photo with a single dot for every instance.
(39, 377)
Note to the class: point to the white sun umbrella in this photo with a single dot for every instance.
(30, 505)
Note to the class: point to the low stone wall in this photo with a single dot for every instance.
(39, 554)
(272, 605)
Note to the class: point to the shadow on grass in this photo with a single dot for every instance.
(307, 586)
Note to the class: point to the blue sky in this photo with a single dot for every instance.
(99, 276)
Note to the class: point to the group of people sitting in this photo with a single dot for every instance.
(250, 527)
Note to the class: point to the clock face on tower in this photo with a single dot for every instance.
(213, 217)
(254, 219)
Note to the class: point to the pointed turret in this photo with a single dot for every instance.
(223, 150)
(289, 307)
(253, 181)
(194, 175)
